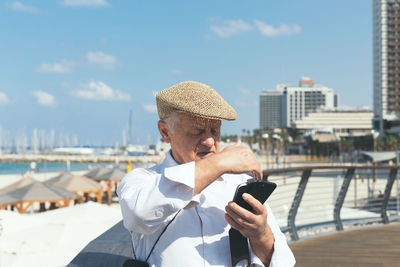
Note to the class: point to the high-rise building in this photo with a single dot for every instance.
(300, 100)
(386, 42)
(294, 102)
(271, 109)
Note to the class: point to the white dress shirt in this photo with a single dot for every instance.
(198, 236)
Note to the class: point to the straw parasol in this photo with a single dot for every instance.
(18, 184)
(114, 174)
(109, 175)
(24, 197)
(5, 199)
(77, 184)
(97, 172)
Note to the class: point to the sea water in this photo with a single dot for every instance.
(23, 167)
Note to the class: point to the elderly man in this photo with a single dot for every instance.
(184, 204)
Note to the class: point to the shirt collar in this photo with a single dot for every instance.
(169, 160)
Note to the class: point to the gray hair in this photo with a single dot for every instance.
(172, 121)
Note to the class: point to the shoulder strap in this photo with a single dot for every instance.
(239, 247)
(151, 251)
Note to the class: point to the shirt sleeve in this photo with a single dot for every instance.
(282, 256)
(149, 197)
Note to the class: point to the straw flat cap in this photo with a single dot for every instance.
(194, 98)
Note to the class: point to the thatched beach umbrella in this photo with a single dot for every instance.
(114, 174)
(6, 200)
(77, 184)
(109, 175)
(25, 196)
(97, 171)
(18, 184)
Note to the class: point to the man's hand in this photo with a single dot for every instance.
(240, 159)
(252, 225)
(233, 159)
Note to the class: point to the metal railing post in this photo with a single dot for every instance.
(296, 203)
(340, 198)
(386, 196)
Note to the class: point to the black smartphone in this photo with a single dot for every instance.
(259, 189)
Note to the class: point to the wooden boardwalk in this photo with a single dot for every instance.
(372, 246)
(377, 246)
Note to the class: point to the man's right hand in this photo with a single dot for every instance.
(240, 159)
(232, 159)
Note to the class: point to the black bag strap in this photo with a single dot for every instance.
(239, 247)
(151, 251)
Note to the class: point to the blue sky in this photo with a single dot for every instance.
(79, 66)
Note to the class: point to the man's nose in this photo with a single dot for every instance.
(208, 140)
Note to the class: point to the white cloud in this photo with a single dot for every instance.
(102, 59)
(152, 108)
(283, 29)
(154, 93)
(61, 67)
(85, 3)
(4, 100)
(177, 72)
(23, 8)
(97, 90)
(44, 98)
(231, 27)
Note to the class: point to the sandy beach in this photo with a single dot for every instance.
(51, 238)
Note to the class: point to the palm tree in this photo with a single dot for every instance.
(391, 143)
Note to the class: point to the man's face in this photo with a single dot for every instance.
(192, 138)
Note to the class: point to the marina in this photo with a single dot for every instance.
(76, 158)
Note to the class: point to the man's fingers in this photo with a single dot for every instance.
(258, 207)
(239, 214)
(256, 175)
(232, 222)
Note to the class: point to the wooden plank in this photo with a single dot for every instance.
(372, 246)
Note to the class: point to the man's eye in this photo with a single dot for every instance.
(196, 132)
(214, 131)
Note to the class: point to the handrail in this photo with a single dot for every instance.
(269, 172)
(350, 169)
(296, 186)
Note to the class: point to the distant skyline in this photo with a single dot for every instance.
(80, 66)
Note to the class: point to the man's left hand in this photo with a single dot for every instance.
(252, 225)
(249, 224)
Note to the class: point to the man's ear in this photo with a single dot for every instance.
(164, 131)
